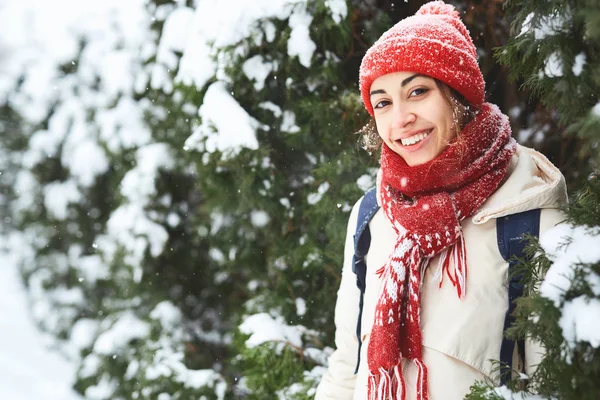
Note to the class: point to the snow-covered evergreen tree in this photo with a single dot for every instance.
(177, 176)
(554, 50)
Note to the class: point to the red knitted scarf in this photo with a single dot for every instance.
(425, 205)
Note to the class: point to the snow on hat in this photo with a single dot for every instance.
(433, 42)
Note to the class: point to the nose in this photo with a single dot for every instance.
(403, 116)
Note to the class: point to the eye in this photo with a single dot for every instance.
(418, 92)
(382, 104)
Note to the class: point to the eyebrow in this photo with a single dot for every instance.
(404, 83)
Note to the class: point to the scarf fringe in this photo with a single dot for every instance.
(387, 385)
(458, 276)
(390, 385)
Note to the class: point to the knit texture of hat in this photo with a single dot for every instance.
(433, 42)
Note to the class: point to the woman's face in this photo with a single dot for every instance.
(412, 116)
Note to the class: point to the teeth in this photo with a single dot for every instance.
(414, 139)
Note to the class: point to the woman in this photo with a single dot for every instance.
(436, 294)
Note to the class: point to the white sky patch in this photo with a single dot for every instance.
(314, 198)
(257, 70)
(583, 248)
(58, 196)
(300, 44)
(125, 329)
(259, 218)
(580, 321)
(338, 9)
(553, 67)
(596, 110)
(226, 126)
(580, 61)
(263, 328)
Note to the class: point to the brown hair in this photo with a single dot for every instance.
(462, 114)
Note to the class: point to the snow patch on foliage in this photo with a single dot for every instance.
(289, 122)
(167, 314)
(257, 70)
(125, 329)
(580, 61)
(58, 196)
(264, 328)
(225, 127)
(42, 144)
(544, 26)
(571, 248)
(580, 321)
(84, 332)
(130, 227)
(338, 9)
(90, 268)
(300, 43)
(259, 218)
(200, 34)
(274, 108)
(84, 158)
(123, 127)
(314, 198)
(365, 182)
(567, 246)
(553, 66)
(300, 307)
(138, 184)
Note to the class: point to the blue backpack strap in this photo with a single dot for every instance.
(362, 240)
(510, 231)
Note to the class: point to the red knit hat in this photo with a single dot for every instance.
(433, 42)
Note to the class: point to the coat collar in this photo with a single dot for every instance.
(534, 182)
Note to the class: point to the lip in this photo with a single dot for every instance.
(417, 146)
(413, 133)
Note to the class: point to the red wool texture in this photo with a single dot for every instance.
(434, 42)
(425, 204)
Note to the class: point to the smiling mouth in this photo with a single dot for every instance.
(409, 141)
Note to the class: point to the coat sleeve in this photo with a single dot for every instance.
(339, 380)
(534, 351)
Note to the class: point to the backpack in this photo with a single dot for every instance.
(510, 231)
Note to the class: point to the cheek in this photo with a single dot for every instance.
(381, 130)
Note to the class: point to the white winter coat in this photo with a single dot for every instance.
(460, 336)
